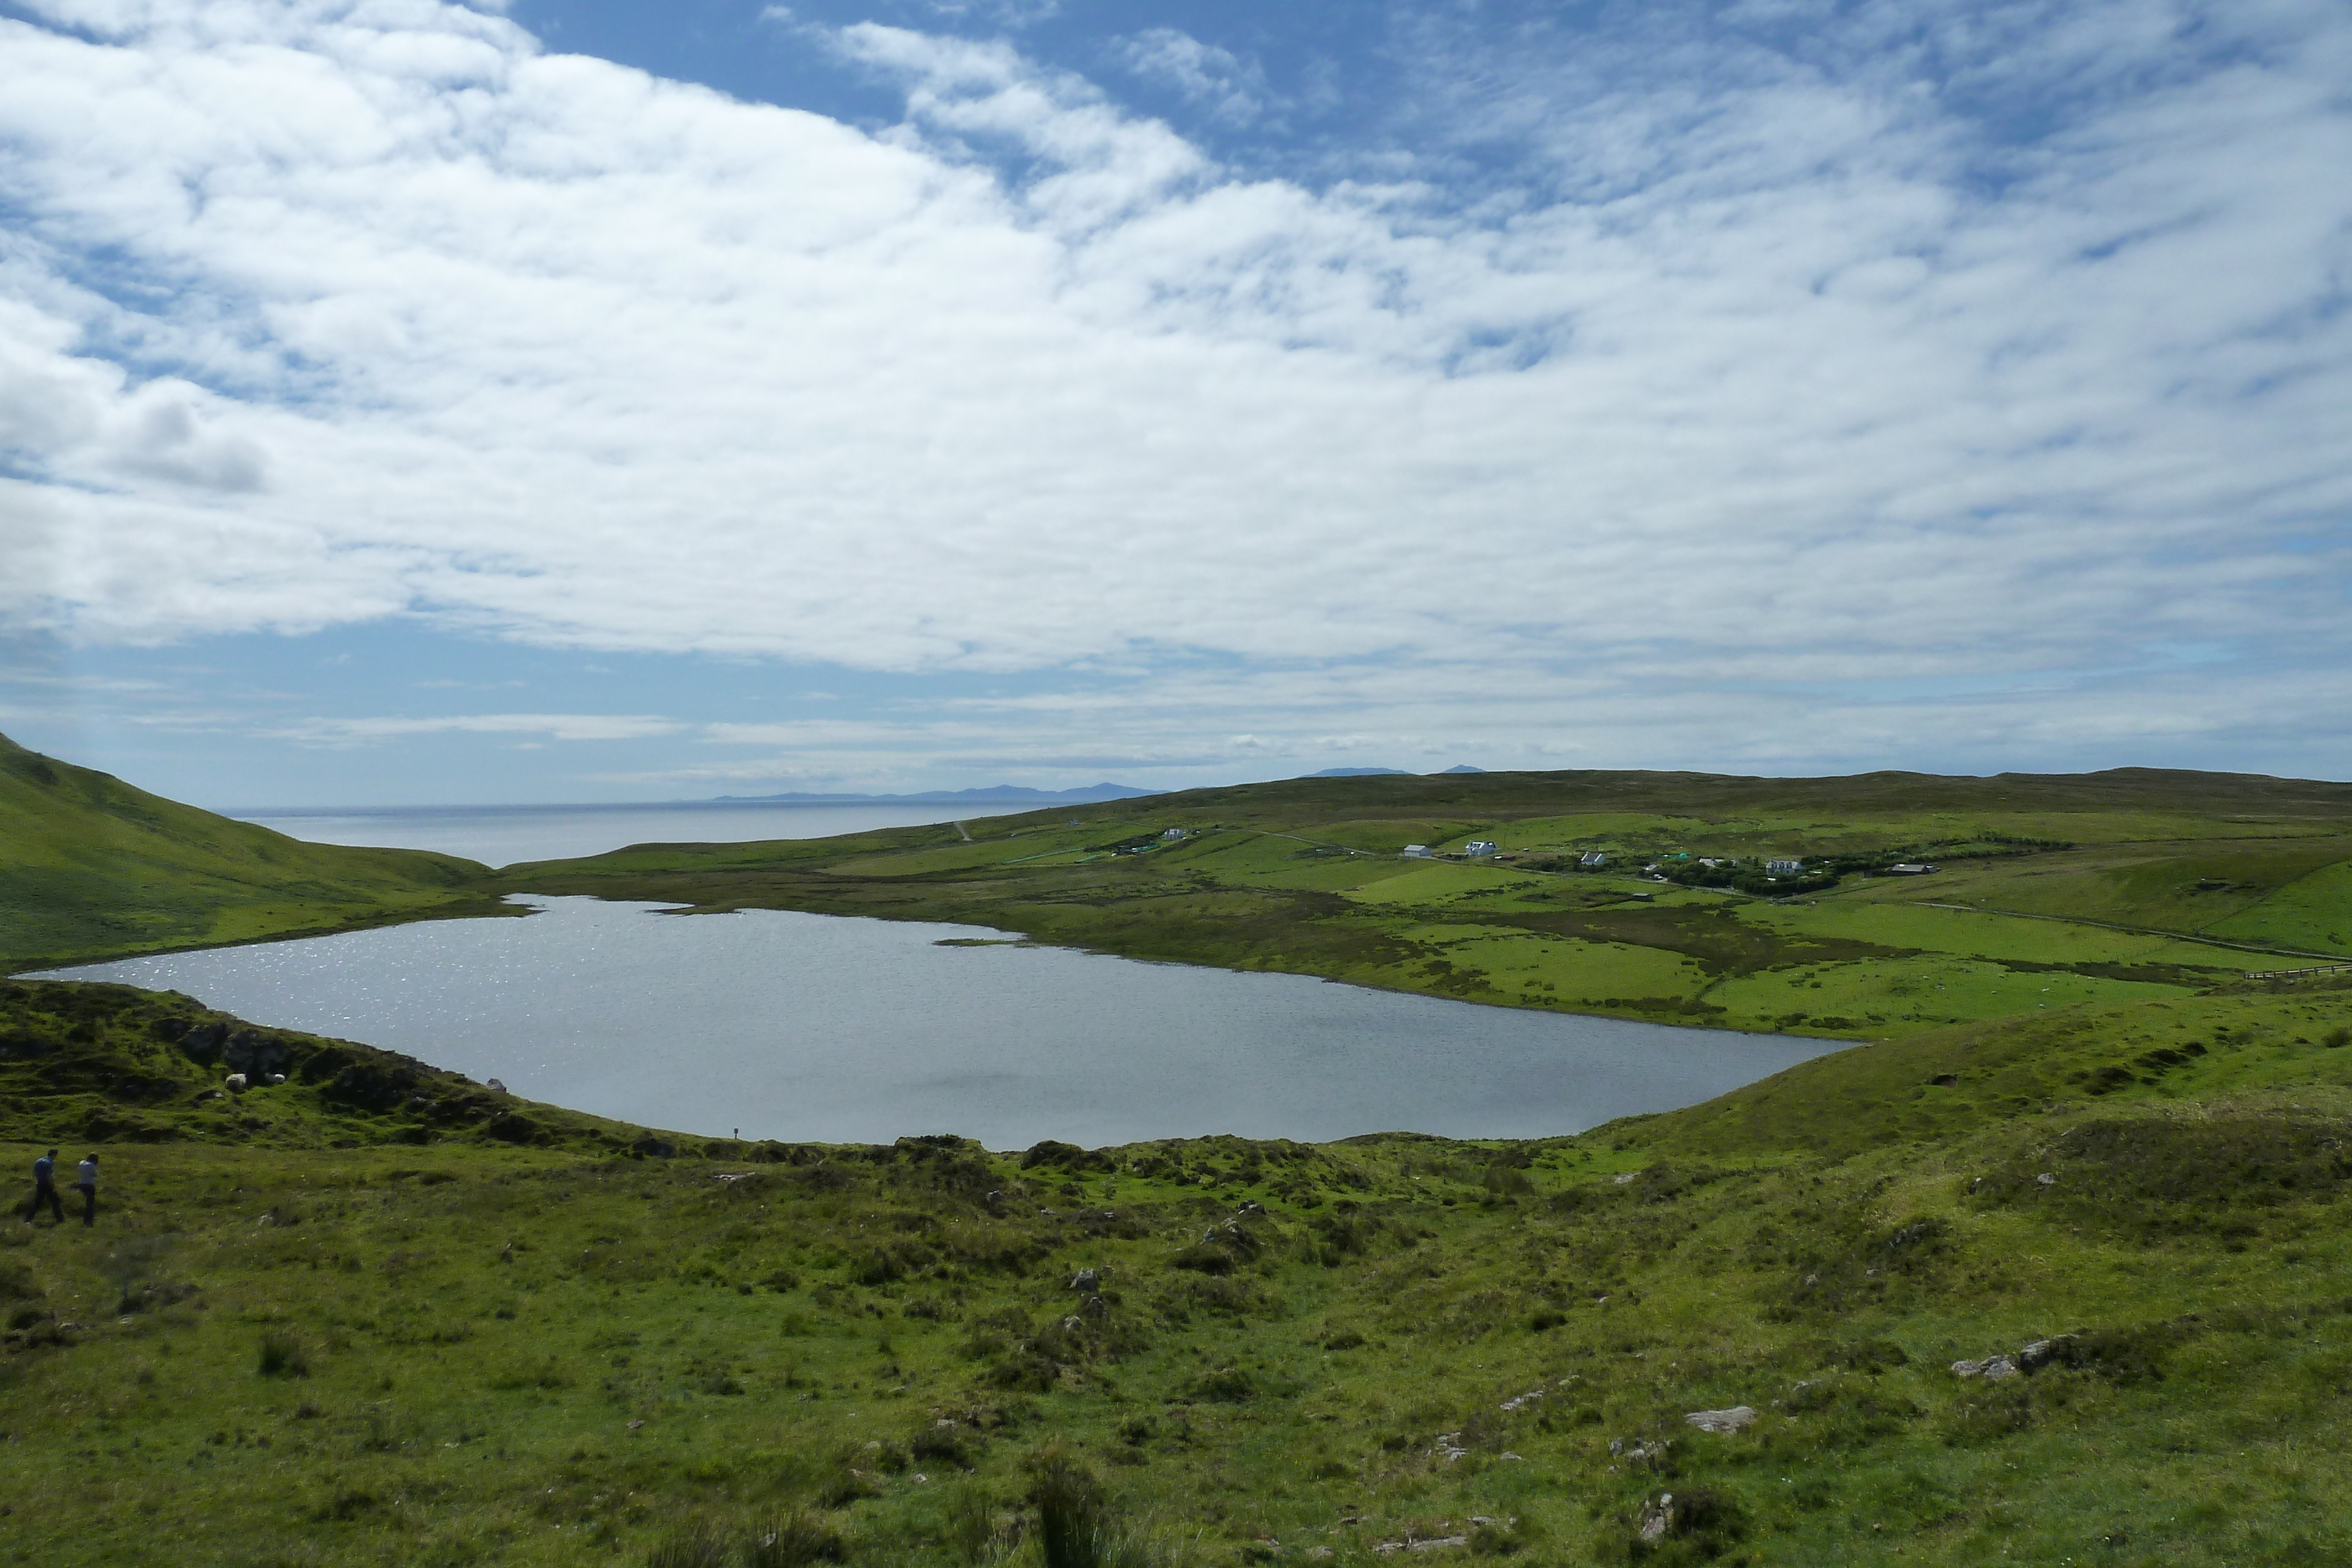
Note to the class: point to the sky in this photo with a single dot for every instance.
(575, 400)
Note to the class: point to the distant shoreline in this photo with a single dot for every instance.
(724, 802)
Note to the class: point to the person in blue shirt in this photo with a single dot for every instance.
(86, 1178)
(45, 1188)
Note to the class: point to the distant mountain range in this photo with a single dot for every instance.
(989, 794)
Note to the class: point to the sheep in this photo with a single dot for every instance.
(233, 1083)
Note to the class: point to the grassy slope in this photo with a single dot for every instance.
(498, 1336)
(91, 868)
(2149, 875)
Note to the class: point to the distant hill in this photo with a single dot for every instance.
(1463, 767)
(91, 867)
(1358, 773)
(989, 794)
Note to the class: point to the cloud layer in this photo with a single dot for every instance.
(1689, 355)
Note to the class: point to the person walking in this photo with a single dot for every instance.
(86, 1178)
(45, 1188)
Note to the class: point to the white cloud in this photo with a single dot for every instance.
(1216, 80)
(553, 725)
(312, 313)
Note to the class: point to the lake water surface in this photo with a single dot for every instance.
(819, 1027)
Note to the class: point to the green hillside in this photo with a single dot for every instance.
(2047, 891)
(92, 868)
(380, 1315)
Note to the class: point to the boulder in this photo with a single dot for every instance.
(256, 1055)
(201, 1043)
(2042, 1352)
(1731, 1420)
(1992, 1368)
(1086, 1279)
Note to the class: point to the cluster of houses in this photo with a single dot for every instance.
(1776, 867)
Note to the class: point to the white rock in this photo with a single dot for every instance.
(1730, 1420)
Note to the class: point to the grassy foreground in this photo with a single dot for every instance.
(2048, 892)
(91, 868)
(382, 1315)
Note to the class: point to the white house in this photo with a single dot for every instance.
(1172, 834)
(1592, 860)
(1783, 868)
(1476, 848)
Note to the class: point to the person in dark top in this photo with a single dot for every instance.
(45, 1188)
(86, 1178)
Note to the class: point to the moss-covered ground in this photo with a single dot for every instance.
(377, 1314)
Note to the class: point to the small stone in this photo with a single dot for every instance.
(1086, 1279)
(2047, 1178)
(1998, 1367)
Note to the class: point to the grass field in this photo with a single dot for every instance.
(92, 868)
(379, 1315)
(2100, 888)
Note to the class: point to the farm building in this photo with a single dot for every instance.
(1784, 868)
(1479, 848)
(1417, 851)
(1592, 860)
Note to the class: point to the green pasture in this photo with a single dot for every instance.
(2314, 911)
(2172, 885)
